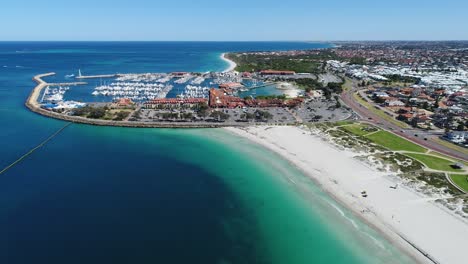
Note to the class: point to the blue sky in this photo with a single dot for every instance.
(233, 20)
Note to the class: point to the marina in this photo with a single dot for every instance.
(142, 100)
(136, 91)
(143, 87)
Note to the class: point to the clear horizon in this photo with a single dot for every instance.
(208, 20)
(311, 41)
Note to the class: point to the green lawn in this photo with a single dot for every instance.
(394, 142)
(360, 129)
(460, 180)
(449, 158)
(434, 163)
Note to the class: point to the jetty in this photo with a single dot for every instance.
(97, 76)
(32, 101)
(66, 84)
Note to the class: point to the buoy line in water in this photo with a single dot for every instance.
(35, 148)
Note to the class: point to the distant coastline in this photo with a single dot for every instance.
(232, 64)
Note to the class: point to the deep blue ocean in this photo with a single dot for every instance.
(122, 195)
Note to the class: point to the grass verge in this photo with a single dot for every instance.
(461, 180)
(394, 142)
(434, 163)
(447, 157)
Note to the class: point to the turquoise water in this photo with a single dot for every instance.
(121, 195)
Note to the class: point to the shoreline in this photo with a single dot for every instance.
(404, 217)
(232, 64)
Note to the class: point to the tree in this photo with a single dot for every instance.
(121, 115)
(338, 104)
(247, 116)
(220, 116)
(263, 115)
(335, 87)
(81, 111)
(203, 110)
(97, 113)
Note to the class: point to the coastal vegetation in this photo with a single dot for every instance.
(413, 163)
(219, 116)
(360, 129)
(396, 143)
(169, 116)
(90, 112)
(434, 163)
(309, 84)
(258, 115)
(303, 63)
(103, 112)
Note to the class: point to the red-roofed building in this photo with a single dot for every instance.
(246, 75)
(122, 103)
(219, 99)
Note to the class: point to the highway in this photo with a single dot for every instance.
(423, 138)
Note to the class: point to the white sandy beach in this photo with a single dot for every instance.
(232, 65)
(401, 214)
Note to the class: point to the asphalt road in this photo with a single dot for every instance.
(414, 135)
